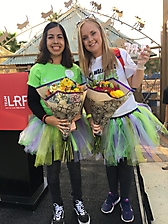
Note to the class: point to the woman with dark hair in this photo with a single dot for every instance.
(45, 55)
(55, 61)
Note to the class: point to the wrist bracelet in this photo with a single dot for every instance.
(88, 116)
(44, 117)
(141, 67)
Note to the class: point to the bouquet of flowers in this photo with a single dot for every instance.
(65, 99)
(105, 98)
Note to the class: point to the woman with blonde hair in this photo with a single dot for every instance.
(131, 127)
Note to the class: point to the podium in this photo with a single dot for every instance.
(21, 183)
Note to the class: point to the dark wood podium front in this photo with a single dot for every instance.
(20, 182)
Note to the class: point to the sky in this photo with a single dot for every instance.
(17, 11)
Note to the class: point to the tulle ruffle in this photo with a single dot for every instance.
(46, 142)
(130, 135)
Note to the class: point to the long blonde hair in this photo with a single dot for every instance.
(108, 57)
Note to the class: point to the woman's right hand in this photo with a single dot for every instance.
(62, 124)
(96, 129)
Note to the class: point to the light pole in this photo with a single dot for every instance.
(164, 57)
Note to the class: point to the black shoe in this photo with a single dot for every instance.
(82, 215)
(58, 214)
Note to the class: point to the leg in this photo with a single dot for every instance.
(125, 178)
(113, 197)
(74, 169)
(53, 172)
(112, 177)
(76, 184)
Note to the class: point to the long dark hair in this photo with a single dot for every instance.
(44, 56)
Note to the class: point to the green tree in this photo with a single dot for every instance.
(152, 66)
(10, 42)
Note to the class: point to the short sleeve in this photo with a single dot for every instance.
(34, 76)
(127, 61)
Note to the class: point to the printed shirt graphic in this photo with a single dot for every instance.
(121, 75)
(41, 74)
(97, 71)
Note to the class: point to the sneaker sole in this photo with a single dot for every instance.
(127, 220)
(116, 202)
(88, 222)
(131, 220)
(55, 222)
(84, 222)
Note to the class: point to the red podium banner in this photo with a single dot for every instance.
(14, 111)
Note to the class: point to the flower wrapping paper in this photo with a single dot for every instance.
(103, 105)
(64, 105)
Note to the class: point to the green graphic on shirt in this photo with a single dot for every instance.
(100, 77)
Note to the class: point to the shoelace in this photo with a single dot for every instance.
(80, 207)
(109, 199)
(58, 211)
(126, 206)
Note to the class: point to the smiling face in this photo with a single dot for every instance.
(91, 38)
(55, 44)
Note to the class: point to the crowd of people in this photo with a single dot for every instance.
(131, 127)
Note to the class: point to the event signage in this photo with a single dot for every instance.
(14, 110)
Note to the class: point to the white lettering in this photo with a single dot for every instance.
(9, 103)
(17, 101)
(5, 101)
(127, 46)
(24, 100)
(134, 48)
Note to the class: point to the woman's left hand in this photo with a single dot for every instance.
(144, 56)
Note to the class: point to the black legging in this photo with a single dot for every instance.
(53, 172)
(122, 174)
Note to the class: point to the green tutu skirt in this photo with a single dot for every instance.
(46, 142)
(128, 136)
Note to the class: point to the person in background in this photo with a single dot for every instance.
(165, 101)
(54, 62)
(131, 127)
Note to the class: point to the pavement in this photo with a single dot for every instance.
(156, 187)
(95, 190)
(149, 194)
(156, 182)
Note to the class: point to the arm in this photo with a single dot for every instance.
(136, 80)
(34, 103)
(87, 106)
(37, 109)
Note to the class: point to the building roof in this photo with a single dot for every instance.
(28, 54)
(4, 51)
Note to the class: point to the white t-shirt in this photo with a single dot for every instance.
(121, 75)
